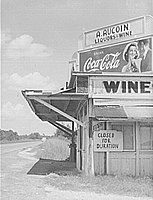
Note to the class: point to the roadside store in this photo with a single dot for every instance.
(109, 98)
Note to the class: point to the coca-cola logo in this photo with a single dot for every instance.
(108, 62)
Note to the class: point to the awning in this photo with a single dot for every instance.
(124, 112)
(110, 112)
(61, 106)
(139, 112)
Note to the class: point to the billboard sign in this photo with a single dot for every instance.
(115, 32)
(128, 57)
(108, 140)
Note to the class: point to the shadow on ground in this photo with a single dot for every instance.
(47, 166)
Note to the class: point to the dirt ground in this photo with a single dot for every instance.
(17, 185)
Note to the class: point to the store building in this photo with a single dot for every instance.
(110, 98)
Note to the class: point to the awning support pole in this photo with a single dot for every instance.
(69, 131)
(73, 146)
(59, 127)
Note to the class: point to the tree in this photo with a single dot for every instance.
(8, 135)
(35, 135)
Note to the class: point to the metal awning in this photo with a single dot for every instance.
(60, 106)
(110, 112)
(142, 113)
(139, 112)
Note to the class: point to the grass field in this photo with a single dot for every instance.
(54, 148)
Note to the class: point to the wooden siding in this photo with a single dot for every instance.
(146, 163)
(122, 163)
(99, 163)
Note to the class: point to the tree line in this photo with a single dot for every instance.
(9, 135)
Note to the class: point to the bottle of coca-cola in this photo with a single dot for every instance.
(134, 67)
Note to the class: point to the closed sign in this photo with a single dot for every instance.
(108, 140)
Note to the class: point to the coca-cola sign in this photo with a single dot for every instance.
(125, 57)
(109, 61)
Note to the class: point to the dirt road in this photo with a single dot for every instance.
(16, 160)
(15, 184)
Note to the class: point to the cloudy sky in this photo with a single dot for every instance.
(39, 37)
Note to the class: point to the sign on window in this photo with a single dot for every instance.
(108, 140)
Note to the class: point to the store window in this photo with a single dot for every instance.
(146, 137)
(128, 135)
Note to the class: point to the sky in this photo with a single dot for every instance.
(38, 39)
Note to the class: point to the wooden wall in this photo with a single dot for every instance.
(124, 163)
(146, 163)
(132, 163)
(99, 163)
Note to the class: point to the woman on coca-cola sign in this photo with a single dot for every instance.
(131, 56)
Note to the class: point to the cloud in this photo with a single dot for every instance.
(11, 111)
(30, 81)
(15, 113)
(24, 46)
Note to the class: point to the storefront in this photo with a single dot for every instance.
(119, 126)
(110, 99)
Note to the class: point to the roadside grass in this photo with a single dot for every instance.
(126, 186)
(58, 149)
(55, 148)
